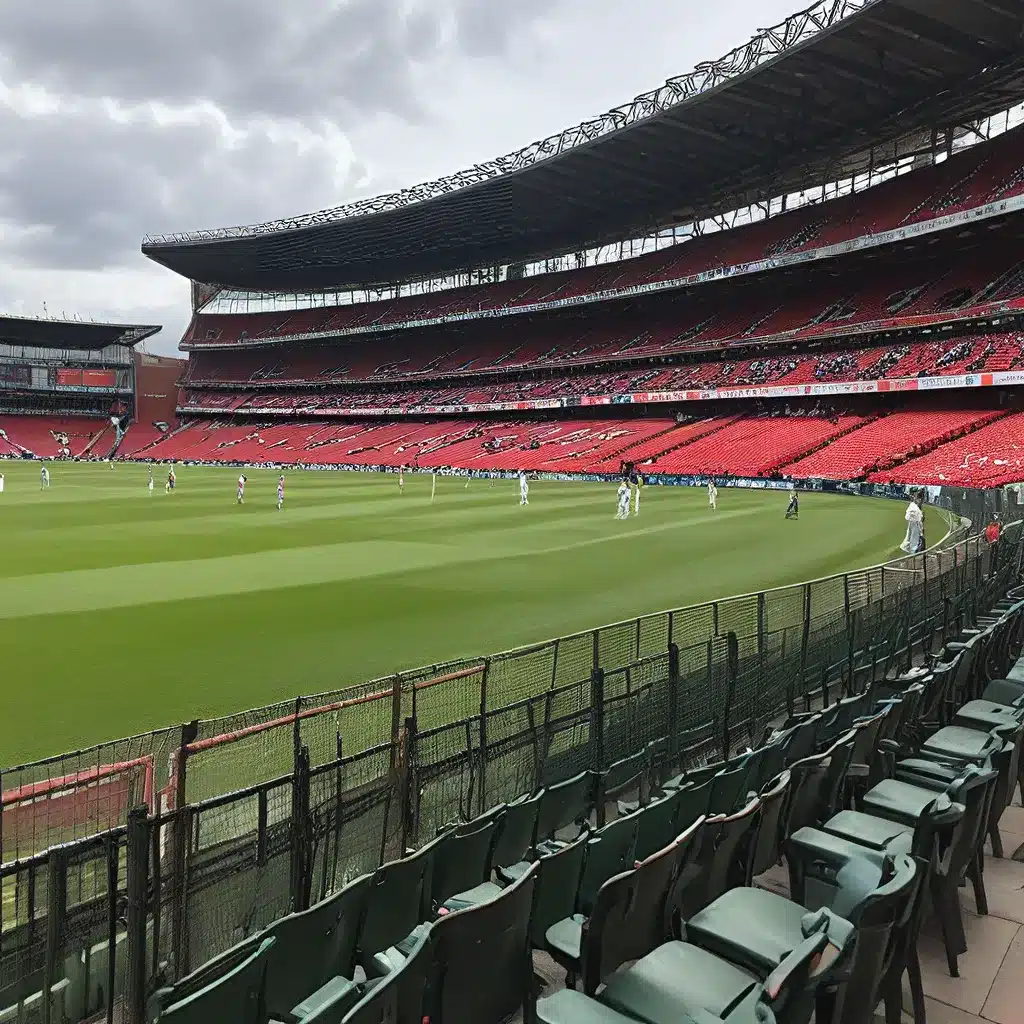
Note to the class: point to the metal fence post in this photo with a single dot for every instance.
(733, 667)
(56, 912)
(674, 682)
(410, 810)
(137, 884)
(301, 839)
(597, 734)
(804, 645)
(482, 802)
(179, 839)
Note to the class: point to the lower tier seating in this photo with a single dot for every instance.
(969, 447)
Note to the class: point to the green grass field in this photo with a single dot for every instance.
(121, 611)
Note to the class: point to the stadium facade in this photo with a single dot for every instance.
(827, 222)
(70, 388)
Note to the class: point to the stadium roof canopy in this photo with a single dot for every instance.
(800, 104)
(70, 334)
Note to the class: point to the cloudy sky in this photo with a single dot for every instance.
(120, 118)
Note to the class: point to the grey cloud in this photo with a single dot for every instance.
(349, 60)
(88, 188)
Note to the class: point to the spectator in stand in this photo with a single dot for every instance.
(992, 531)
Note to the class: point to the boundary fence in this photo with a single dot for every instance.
(201, 835)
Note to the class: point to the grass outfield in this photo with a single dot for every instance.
(121, 612)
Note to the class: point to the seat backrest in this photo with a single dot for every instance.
(690, 875)
(880, 919)
(398, 998)
(656, 827)
(399, 898)
(610, 851)
(558, 881)
(729, 787)
(482, 967)
(801, 739)
(694, 800)
(974, 790)
(238, 997)
(840, 757)
(204, 975)
(628, 920)
(315, 945)
(626, 776)
(940, 685)
(733, 832)
(464, 861)
(766, 848)
(821, 957)
(770, 765)
(517, 831)
(865, 744)
(566, 803)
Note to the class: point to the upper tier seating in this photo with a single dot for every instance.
(979, 175)
(948, 358)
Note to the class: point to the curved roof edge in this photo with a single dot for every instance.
(766, 45)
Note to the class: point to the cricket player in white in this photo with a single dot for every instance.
(713, 495)
(280, 492)
(241, 490)
(915, 524)
(638, 482)
(150, 481)
(44, 477)
(524, 488)
(1, 483)
(623, 495)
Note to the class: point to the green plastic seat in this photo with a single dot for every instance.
(898, 801)
(558, 882)
(314, 958)
(398, 903)
(968, 746)
(765, 850)
(610, 851)
(608, 854)
(398, 998)
(678, 974)
(464, 861)
(567, 1006)
(482, 968)
(561, 805)
(238, 997)
(657, 825)
(204, 975)
(761, 924)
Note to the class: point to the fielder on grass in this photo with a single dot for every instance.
(623, 497)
